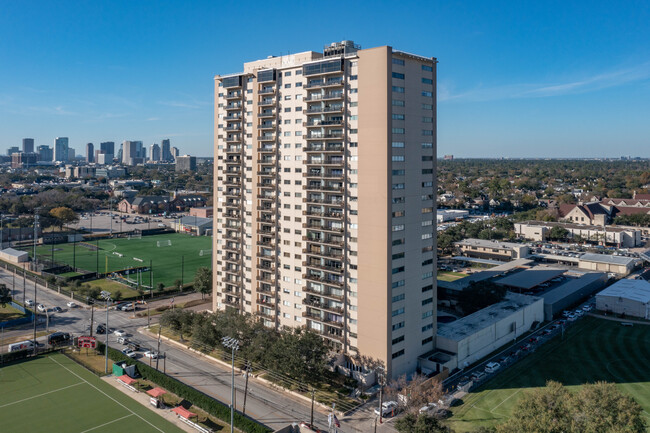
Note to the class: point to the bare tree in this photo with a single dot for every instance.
(413, 394)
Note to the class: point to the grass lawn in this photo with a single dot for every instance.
(113, 286)
(9, 313)
(592, 350)
(55, 394)
(169, 262)
(450, 276)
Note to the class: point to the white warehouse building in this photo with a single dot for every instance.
(629, 297)
(475, 336)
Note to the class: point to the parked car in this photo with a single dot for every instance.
(101, 329)
(579, 313)
(122, 340)
(57, 309)
(478, 375)
(29, 302)
(428, 407)
(388, 408)
(130, 353)
(41, 308)
(126, 307)
(71, 304)
(120, 332)
(492, 367)
(462, 382)
(587, 307)
(133, 345)
(58, 338)
(151, 354)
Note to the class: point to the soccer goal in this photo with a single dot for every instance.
(167, 243)
(205, 253)
(135, 236)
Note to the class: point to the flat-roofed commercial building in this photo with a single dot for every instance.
(624, 237)
(629, 297)
(607, 263)
(325, 183)
(496, 250)
(479, 334)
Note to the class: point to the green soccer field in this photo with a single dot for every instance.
(169, 263)
(54, 394)
(592, 350)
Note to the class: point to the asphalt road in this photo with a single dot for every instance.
(274, 408)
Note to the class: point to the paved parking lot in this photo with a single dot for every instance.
(101, 222)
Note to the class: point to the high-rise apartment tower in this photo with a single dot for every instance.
(325, 183)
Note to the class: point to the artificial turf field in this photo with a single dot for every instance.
(592, 350)
(54, 394)
(166, 261)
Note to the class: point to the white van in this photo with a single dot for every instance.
(21, 345)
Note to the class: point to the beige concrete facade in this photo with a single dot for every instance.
(325, 198)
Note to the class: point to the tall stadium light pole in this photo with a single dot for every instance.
(107, 297)
(110, 212)
(2, 232)
(36, 216)
(233, 344)
(34, 314)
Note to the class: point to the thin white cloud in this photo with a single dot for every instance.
(542, 90)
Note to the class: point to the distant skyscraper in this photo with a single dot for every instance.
(72, 154)
(28, 145)
(108, 147)
(166, 151)
(186, 163)
(61, 149)
(12, 150)
(175, 153)
(154, 152)
(90, 151)
(44, 153)
(133, 152)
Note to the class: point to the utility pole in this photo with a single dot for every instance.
(107, 297)
(150, 278)
(97, 249)
(182, 272)
(248, 366)
(381, 396)
(311, 419)
(233, 344)
(36, 215)
(35, 313)
(158, 350)
(164, 362)
(92, 316)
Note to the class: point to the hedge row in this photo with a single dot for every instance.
(199, 399)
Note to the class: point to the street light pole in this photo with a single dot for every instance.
(107, 297)
(233, 344)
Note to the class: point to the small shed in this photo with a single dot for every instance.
(14, 256)
(126, 379)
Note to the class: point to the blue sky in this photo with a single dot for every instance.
(515, 78)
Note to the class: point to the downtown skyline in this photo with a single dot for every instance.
(535, 80)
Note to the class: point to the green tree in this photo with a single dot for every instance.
(596, 408)
(117, 295)
(5, 295)
(178, 284)
(64, 215)
(203, 281)
(603, 408)
(422, 423)
(558, 233)
(160, 287)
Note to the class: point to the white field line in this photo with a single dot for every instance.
(107, 423)
(75, 374)
(41, 395)
(508, 398)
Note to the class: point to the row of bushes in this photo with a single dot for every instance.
(199, 399)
